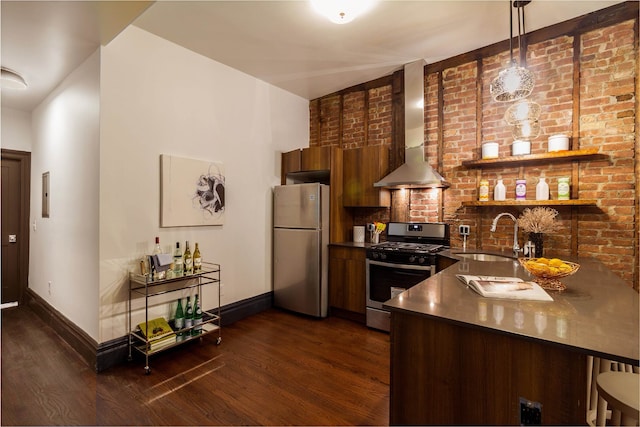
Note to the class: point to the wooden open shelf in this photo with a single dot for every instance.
(568, 155)
(573, 202)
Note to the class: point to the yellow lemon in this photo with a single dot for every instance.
(555, 262)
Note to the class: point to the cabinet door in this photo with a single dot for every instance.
(290, 162)
(315, 158)
(347, 279)
(362, 168)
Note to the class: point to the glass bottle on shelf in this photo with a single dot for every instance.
(177, 261)
(197, 260)
(188, 314)
(178, 322)
(197, 317)
(188, 260)
(158, 275)
(542, 190)
(499, 192)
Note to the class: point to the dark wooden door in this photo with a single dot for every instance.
(15, 224)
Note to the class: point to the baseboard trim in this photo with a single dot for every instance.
(116, 351)
(82, 343)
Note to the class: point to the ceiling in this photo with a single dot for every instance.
(284, 43)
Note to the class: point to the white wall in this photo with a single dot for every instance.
(16, 130)
(64, 247)
(159, 98)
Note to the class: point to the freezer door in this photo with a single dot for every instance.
(297, 283)
(297, 206)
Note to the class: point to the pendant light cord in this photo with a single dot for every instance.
(510, 33)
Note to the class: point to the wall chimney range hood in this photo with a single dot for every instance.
(415, 172)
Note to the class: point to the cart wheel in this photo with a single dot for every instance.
(147, 370)
(218, 341)
(130, 358)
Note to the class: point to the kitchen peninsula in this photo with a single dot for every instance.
(459, 358)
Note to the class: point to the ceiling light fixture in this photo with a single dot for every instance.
(514, 82)
(11, 80)
(342, 11)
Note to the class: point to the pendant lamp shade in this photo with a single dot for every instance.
(526, 129)
(514, 82)
(522, 110)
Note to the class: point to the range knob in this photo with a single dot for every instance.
(421, 260)
(383, 256)
(412, 258)
(375, 255)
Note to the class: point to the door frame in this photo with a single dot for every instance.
(24, 157)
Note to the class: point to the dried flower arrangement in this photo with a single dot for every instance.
(538, 220)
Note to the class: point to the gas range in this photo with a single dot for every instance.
(411, 243)
(407, 258)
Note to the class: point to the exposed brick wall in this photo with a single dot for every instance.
(607, 119)
(353, 120)
(329, 121)
(380, 110)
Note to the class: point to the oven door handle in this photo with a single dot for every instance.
(403, 266)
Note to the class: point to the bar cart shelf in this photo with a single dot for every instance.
(147, 287)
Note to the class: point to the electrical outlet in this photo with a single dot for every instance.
(221, 289)
(464, 230)
(530, 412)
(49, 288)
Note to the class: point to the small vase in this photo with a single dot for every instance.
(375, 238)
(536, 239)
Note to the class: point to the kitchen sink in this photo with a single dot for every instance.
(483, 257)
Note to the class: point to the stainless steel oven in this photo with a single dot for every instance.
(406, 259)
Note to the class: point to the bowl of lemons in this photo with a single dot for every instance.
(547, 271)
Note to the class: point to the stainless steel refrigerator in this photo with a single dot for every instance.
(300, 248)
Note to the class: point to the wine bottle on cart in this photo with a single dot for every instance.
(177, 261)
(156, 251)
(188, 260)
(197, 260)
(197, 317)
(178, 322)
(188, 314)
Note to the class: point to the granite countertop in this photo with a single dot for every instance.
(597, 314)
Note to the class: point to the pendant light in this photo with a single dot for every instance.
(514, 82)
(341, 11)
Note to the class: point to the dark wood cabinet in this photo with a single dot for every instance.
(362, 168)
(290, 162)
(315, 158)
(446, 373)
(313, 164)
(347, 279)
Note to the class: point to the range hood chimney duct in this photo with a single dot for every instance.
(415, 172)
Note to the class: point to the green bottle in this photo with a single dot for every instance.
(188, 314)
(179, 318)
(197, 317)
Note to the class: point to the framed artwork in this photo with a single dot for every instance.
(192, 192)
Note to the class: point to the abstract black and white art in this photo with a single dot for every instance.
(192, 192)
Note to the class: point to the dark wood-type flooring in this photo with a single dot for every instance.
(274, 368)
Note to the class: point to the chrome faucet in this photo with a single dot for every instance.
(516, 248)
